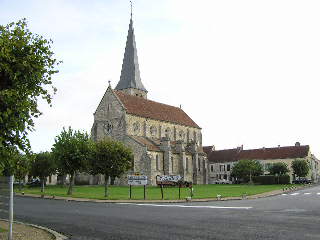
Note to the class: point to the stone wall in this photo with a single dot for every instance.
(156, 129)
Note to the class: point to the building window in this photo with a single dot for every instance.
(172, 164)
(157, 162)
(199, 164)
(168, 133)
(187, 164)
(228, 167)
(211, 168)
(153, 131)
(136, 128)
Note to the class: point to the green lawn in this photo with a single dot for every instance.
(170, 193)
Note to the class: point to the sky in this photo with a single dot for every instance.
(247, 72)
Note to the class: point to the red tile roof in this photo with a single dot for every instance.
(146, 142)
(232, 155)
(154, 110)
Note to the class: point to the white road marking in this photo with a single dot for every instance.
(307, 193)
(294, 194)
(184, 206)
(284, 194)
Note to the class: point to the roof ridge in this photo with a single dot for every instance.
(118, 91)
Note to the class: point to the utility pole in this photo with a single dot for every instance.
(10, 207)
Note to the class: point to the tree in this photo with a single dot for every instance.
(43, 166)
(300, 167)
(72, 151)
(110, 158)
(245, 169)
(26, 68)
(21, 167)
(278, 169)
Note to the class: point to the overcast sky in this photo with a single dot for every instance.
(247, 72)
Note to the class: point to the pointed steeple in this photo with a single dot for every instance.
(130, 80)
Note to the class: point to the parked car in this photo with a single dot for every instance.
(302, 180)
(34, 183)
(223, 181)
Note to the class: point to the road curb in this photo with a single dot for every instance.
(256, 196)
(58, 236)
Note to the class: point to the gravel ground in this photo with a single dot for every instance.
(24, 232)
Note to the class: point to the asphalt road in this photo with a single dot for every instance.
(292, 216)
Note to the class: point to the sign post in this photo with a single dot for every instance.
(138, 180)
(6, 200)
(10, 207)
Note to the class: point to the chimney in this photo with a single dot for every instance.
(213, 148)
(297, 144)
(279, 146)
(241, 146)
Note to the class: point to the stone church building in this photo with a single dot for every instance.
(163, 138)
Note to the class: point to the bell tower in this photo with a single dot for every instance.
(130, 81)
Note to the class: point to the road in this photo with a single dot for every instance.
(292, 216)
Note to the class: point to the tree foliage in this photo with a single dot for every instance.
(21, 165)
(110, 158)
(245, 169)
(300, 167)
(279, 168)
(72, 151)
(43, 166)
(26, 68)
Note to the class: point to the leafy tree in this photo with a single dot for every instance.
(43, 166)
(300, 167)
(21, 167)
(72, 151)
(26, 68)
(245, 169)
(279, 169)
(110, 158)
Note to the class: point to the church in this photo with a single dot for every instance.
(163, 138)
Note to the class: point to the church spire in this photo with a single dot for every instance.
(130, 81)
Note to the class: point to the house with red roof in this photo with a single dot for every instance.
(222, 161)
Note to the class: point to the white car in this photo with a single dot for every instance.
(222, 181)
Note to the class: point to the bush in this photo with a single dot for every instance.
(270, 179)
(264, 180)
(284, 179)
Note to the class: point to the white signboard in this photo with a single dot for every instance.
(169, 178)
(137, 180)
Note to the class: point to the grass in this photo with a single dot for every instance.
(3, 230)
(153, 193)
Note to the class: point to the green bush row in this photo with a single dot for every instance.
(270, 179)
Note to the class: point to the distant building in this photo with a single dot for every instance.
(222, 161)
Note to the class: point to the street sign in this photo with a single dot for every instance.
(137, 180)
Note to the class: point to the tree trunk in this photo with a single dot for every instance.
(112, 180)
(106, 178)
(20, 185)
(42, 184)
(70, 184)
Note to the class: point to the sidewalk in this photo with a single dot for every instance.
(23, 231)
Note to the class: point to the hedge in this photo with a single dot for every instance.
(270, 179)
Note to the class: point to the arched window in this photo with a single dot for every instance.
(153, 131)
(168, 133)
(187, 164)
(136, 128)
(157, 163)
